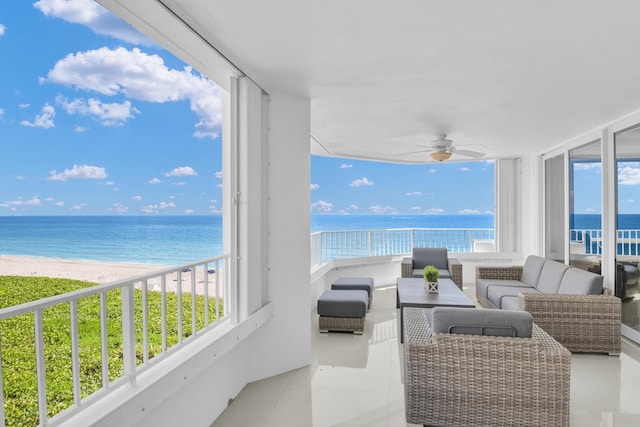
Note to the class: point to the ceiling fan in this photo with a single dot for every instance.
(442, 148)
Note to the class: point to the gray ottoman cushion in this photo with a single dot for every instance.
(354, 283)
(445, 320)
(343, 303)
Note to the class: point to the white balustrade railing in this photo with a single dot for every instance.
(589, 241)
(340, 244)
(204, 278)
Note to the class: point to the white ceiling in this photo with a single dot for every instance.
(384, 77)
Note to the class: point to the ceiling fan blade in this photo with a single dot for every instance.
(469, 153)
(426, 150)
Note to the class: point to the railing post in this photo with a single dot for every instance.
(411, 237)
(128, 333)
(370, 235)
(40, 368)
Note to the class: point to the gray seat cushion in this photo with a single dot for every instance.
(483, 285)
(430, 256)
(481, 322)
(444, 274)
(354, 283)
(343, 303)
(532, 270)
(496, 293)
(551, 277)
(577, 281)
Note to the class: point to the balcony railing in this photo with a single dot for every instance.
(333, 245)
(589, 241)
(203, 278)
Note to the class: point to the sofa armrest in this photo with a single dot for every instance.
(406, 267)
(582, 323)
(513, 272)
(455, 268)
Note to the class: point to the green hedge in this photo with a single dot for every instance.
(18, 341)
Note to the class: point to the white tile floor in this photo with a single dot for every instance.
(356, 381)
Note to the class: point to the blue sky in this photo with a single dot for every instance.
(96, 119)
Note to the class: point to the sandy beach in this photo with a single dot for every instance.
(98, 271)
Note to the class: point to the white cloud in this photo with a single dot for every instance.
(94, 16)
(110, 183)
(3, 29)
(34, 201)
(380, 209)
(182, 171)
(119, 208)
(353, 207)
(630, 200)
(144, 77)
(154, 181)
(414, 193)
(464, 169)
(588, 166)
(629, 175)
(432, 171)
(189, 212)
(314, 186)
(1, 111)
(345, 166)
(361, 182)
(23, 106)
(179, 183)
(219, 174)
(78, 207)
(80, 129)
(434, 211)
(322, 206)
(136, 198)
(49, 199)
(469, 211)
(114, 114)
(79, 172)
(155, 208)
(416, 208)
(589, 210)
(60, 204)
(44, 119)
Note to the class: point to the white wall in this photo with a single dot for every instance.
(284, 343)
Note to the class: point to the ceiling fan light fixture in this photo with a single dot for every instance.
(440, 155)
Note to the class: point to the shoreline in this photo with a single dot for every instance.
(87, 270)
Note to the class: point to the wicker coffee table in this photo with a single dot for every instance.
(412, 293)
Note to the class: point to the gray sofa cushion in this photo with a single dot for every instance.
(496, 293)
(430, 256)
(444, 274)
(343, 303)
(481, 322)
(532, 269)
(577, 281)
(551, 276)
(483, 285)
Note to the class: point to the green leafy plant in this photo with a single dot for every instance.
(18, 344)
(431, 274)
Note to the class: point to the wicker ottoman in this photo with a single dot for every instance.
(355, 283)
(343, 310)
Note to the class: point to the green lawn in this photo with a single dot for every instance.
(18, 341)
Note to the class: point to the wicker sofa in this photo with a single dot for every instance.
(568, 303)
(449, 268)
(456, 379)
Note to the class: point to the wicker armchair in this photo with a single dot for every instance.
(453, 265)
(464, 380)
(581, 323)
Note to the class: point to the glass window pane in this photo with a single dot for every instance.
(627, 145)
(585, 206)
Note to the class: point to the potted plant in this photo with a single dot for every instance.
(431, 276)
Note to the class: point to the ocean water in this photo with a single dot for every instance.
(173, 240)
(162, 240)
